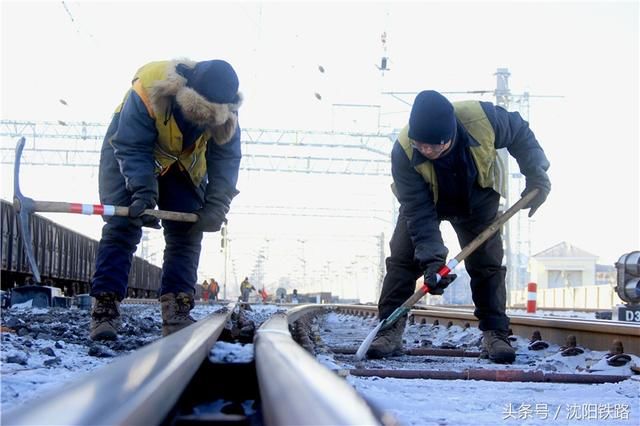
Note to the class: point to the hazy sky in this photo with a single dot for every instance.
(586, 52)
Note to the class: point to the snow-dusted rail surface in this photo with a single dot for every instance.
(41, 349)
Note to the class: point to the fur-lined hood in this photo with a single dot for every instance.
(220, 120)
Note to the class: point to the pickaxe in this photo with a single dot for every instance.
(25, 206)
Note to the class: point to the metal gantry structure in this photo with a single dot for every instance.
(78, 144)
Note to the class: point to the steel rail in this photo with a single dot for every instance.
(139, 388)
(321, 396)
(490, 375)
(593, 334)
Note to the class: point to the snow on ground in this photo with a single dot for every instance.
(42, 349)
(469, 402)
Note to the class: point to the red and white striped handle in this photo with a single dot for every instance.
(107, 210)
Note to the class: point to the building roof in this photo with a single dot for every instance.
(564, 249)
(605, 268)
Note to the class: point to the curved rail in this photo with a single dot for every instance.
(319, 395)
(153, 384)
(139, 388)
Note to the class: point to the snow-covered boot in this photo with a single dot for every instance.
(175, 312)
(388, 342)
(496, 347)
(105, 317)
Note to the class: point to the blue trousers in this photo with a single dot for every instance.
(120, 236)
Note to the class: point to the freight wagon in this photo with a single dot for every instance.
(66, 258)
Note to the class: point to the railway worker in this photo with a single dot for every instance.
(245, 289)
(173, 142)
(214, 289)
(444, 167)
(263, 294)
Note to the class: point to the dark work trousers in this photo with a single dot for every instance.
(120, 237)
(484, 266)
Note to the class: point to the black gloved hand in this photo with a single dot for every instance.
(217, 200)
(210, 219)
(437, 288)
(136, 210)
(543, 191)
(144, 193)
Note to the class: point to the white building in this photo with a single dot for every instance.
(563, 266)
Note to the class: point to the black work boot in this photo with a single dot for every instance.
(175, 312)
(388, 342)
(105, 317)
(496, 347)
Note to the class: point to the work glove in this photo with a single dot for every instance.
(543, 186)
(210, 219)
(437, 288)
(144, 197)
(137, 217)
(216, 205)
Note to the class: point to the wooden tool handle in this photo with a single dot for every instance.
(482, 237)
(472, 246)
(108, 210)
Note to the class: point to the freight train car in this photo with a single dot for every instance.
(66, 258)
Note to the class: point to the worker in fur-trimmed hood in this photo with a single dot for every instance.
(174, 142)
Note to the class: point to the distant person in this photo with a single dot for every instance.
(445, 167)
(245, 289)
(294, 296)
(205, 290)
(173, 142)
(214, 289)
(263, 294)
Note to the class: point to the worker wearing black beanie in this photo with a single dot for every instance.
(432, 119)
(445, 167)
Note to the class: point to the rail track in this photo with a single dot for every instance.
(594, 334)
(177, 380)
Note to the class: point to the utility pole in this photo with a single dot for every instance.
(224, 247)
(381, 264)
(503, 96)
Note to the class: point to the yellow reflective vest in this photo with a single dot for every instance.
(490, 169)
(168, 149)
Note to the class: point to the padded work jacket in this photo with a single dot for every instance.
(486, 128)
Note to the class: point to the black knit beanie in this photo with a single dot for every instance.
(215, 80)
(432, 119)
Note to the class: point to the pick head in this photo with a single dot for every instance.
(23, 207)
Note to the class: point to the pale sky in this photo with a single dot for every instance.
(585, 52)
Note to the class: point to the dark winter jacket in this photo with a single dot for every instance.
(457, 179)
(150, 133)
